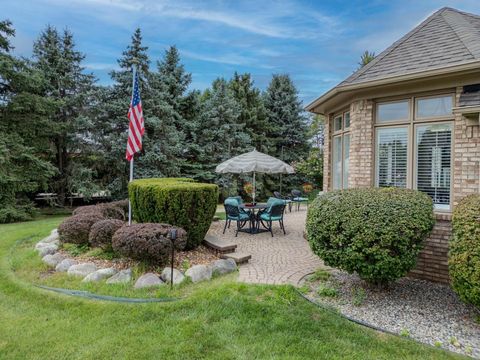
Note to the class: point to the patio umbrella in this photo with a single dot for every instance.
(254, 162)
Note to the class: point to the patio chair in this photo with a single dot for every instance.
(233, 212)
(273, 213)
(287, 199)
(298, 199)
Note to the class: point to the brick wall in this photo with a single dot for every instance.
(327, 164)
(466, 157)
(432, 263)
(361, 144)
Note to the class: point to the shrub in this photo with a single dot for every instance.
(76, 229)
(376, 232)
(102, 232)
(464, 255)
(176, 201)
(148, 242)
(112, 210)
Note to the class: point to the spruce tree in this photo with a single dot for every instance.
(68, 87)
(24, 142)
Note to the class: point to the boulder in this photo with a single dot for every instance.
(122, 277)
(199, 273)
(178, 277)
(82, 270)
(65, 264)
(53, 260)
(148, 280)
(223, 266)
(99, 275)
(47, 249)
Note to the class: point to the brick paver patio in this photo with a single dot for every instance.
(283, 259)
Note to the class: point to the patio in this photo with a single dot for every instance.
(282, 259)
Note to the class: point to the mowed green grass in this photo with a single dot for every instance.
(221, 319)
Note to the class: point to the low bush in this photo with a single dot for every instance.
(112, 210)
(149, 242)
(102, 232)
(464, 255)
(76, 229)
(177, 201)
(376, 233)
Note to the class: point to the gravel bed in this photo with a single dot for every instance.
(425, 311)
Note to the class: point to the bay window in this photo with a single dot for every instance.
(340, 151)
(413, 141)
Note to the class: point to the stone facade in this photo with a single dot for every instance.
(432, 263)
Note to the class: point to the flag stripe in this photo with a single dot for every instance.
(136, 127)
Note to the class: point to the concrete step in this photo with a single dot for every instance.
(239, 257)
(217, 244)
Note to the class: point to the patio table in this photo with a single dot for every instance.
(253, 229)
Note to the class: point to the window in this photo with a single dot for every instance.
(433, 150)
(341, 151)
(413, 143)
(393, 111)
(434, 106)
(391, 157)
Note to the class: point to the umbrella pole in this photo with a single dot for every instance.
(253, 187)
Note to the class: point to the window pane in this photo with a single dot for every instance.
(337, 123)
(391, 157)
(431, 107)
(392, 111)
(347, 120)
(434, 161)
(346, 159)
(337, 163)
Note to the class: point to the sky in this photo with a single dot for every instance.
(318, 43)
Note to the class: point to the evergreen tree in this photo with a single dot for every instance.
(366, 57)
(23, 115)
(252, 111)
(287, 126)
(219, 134)
(69, 88)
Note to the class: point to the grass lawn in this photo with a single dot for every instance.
(220, 319)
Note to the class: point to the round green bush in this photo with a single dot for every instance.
(75, 229)
(112, 210)
(102, 232)
(376, 233)
(149, 242)
(177, 201)
(464, 255)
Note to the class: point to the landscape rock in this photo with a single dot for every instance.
(53, 260)
(65, 264)
(178, 277)
(83, 269)
(148, 280)
(122, 277)
(99, 275)
(199, 273)
(223, 266)
(47, 249)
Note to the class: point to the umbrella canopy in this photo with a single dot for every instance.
(254, 161)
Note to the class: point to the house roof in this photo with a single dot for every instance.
(446, 39)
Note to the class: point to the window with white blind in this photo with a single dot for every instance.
(433, 162)
(391, 157)
(341, 151)
(337, 162)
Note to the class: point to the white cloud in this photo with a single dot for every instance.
(101, 66)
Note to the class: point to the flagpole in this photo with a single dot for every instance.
(134, 71)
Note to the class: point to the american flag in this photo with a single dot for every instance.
(136, 128)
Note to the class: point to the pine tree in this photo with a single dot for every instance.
(252, 110)
(23, 144)
(219, 134)
(68, 87)
(287, 124)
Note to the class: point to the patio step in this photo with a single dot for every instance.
(219, 245)
(239, 257)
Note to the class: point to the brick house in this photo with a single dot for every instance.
(410, 118)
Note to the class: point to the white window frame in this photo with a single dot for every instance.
(344, 131)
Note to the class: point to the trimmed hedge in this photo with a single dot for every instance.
(112, 210)
(177, 201)
(76, 229)
(376, 233)
(464, 255)
(149, 242)
(102, 232)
